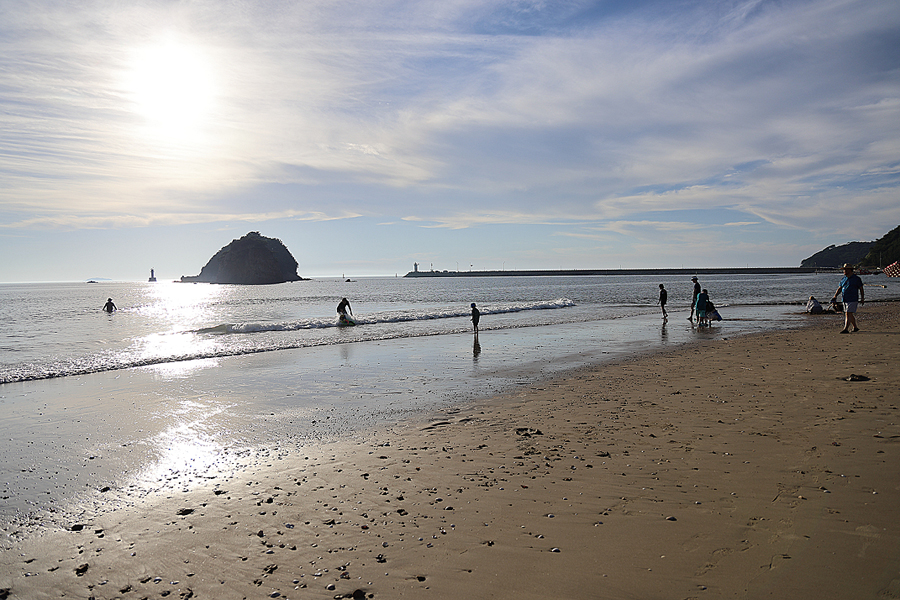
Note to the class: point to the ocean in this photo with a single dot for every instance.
(184, 380)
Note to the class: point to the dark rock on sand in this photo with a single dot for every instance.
(528, 431)
(855, 377)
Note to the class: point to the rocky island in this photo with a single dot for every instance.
(251, 260)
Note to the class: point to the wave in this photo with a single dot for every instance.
(224, 340)
(382, 318)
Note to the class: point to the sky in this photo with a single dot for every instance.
(456, 134)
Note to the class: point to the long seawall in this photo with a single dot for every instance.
(588, 272)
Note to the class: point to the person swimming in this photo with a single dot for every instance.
(109, 306)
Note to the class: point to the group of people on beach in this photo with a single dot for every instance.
(850, 289)
(852, 296)
(700, 304)
(344, 306)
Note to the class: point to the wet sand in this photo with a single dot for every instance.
(747, 467)
(167, 426)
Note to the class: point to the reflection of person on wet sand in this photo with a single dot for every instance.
(109, 306)
(476, 316)
(476, 348)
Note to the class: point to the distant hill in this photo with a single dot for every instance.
(879, 253)
(250, 260)
(884, 251)
(835, 256)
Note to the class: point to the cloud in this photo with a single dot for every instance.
(76, 221)
(454, 114)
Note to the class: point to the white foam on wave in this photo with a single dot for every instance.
(233, 339)
(385, 317)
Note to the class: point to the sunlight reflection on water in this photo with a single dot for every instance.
(195, 431)
(182, 451)
(183, 369)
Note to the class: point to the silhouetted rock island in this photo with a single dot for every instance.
(250, 260)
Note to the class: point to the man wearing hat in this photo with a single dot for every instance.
(852, 294)
(694, 298)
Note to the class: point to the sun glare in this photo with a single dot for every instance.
(171, 85)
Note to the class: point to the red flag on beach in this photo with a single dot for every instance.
(893, 270)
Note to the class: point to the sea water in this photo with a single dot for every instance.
(186, 379)
(59, 329)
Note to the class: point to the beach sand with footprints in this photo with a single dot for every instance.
(751, 467)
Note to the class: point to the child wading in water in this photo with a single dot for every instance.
(702, 301)
(663, 297)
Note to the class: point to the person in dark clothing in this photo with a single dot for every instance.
(663, 297)
(109, 306)
(343, 307)
(694, 298)
(476, 316)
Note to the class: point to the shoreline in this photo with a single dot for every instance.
(136, 430)
(735, 467)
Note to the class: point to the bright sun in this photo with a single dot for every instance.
(171, 86)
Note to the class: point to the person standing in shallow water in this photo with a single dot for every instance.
(109, 306)
(694, 295)
(852, 295)
(701, 301)
(476, 316)
(663, 298)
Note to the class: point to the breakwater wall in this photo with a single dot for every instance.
(595, 272)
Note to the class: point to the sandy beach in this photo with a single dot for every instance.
(747, 467)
